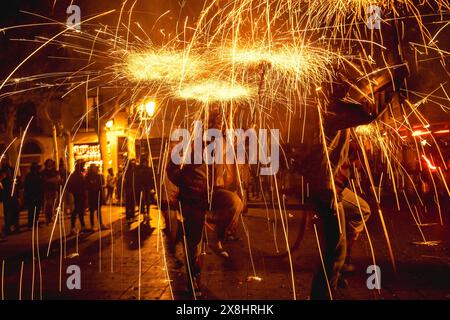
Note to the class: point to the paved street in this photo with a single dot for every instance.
(118, 264)
(110, 262)
(423, 271)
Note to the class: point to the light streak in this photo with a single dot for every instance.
(365, 229)
(419, 133)
(429, 164)
(323, 263)
(17, 166)
(32, 252)
(3, 279)
(20, 281)
(285, 230)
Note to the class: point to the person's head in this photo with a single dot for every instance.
(79, 166)
(110, 171)
(49, 164)
(35, 167)
(144, 161)
(5, 160)
(62, 165)
(216, 118)
(3, 174)
(132, 163)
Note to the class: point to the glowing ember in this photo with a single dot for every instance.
(254, 279)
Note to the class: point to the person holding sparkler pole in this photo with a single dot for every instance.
(330, 160)
(357, 210)
(202, 188)
(77, 186)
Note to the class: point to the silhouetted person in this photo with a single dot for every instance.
(10, 201)
(33, 194)
(327, 198)
(94, 187)
(146, 187)
(67, 197)
(51, 182)
(130, 189)
(195, 181)
(4, 230)
(77, 186)
(63, 173)
(110, 185)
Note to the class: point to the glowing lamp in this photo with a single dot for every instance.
(150, 108)
(109, 124)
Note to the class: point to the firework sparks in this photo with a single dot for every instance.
(216, 91)
(262, 53)
(167, 66)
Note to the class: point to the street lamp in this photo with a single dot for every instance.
(109, 124)
(147, 109)
(150, 108)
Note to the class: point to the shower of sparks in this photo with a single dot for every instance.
(296, 61)
(262, 53)
(166, 66)
(215, 91)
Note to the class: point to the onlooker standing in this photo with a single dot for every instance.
(119, 185)
(146, 187)
(10, 201)
(95, 188)
(67, 197)
(3, 231)
(130, 188)
(110, 184)
(77, 186)
(51, 182)
(33, 194)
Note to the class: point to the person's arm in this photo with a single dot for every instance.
(343, 115)
(174, 173)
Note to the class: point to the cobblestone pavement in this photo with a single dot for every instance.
(114, 264)
(118, 264)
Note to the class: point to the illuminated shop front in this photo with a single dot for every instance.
(89, 153)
